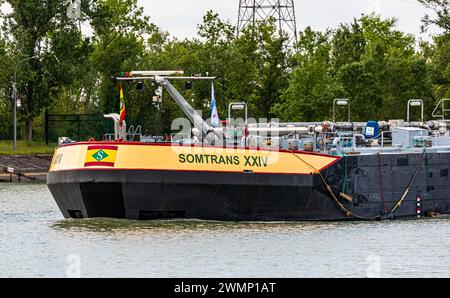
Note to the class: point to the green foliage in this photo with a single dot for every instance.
(5, 92)
(442, 12)
(383, 76)
(119, 31)
(312, 84)
(440, 66)
(25, 148)
(41, 29)
(368, 61)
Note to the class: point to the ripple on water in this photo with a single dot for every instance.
(36, 241)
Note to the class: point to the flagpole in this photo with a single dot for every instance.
(214, 113)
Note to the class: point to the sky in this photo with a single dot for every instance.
(180, 17)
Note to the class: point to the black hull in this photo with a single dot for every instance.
(146, 195)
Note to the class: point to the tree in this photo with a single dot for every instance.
(41, 28)
(442, 10)
(381, 74)
(312, 85)
(439, 62)
(120, 30)
(261, 68)
(368, 61)
(274, 73)
(6, 65)
(348, 44)
(439, 57)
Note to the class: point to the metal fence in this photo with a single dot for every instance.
(78, 127)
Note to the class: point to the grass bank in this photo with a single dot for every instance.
(25, 148)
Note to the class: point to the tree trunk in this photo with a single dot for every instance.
(28, 130)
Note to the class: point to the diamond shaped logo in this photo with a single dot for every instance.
(100, 155)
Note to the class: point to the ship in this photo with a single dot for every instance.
(249, 171)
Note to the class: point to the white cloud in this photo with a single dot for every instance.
(373, 6)
(181, 17)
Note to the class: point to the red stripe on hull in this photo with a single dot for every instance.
(99, 164)
(115, 148)
(196, 146)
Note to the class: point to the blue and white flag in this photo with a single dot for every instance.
(214, 114)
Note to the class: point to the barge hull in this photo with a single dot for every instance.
(288, 189)
(144, 195)
(148, 195)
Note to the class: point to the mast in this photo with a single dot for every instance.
(162, 78)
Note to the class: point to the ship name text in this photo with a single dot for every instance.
(248, 161)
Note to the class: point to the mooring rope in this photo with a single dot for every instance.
(381, 184)
(408, 188)
(349, 213)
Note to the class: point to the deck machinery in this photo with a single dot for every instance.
(259, 171)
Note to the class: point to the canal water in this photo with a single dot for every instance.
(35, 241)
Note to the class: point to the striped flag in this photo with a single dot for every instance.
(214, 114)
(123, 110)
(101, 156)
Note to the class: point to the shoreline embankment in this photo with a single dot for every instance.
(24, 168)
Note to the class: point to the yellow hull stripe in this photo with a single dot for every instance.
(179, 158)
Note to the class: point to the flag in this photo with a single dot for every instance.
(214, 114)
(101, 156)
(123, 111)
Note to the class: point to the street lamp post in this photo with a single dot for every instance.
(15, 99)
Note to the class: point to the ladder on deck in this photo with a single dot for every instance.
(441, 106)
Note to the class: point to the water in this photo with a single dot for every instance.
(35, 241)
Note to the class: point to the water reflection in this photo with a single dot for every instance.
(36, 241)
(114, 225)
(106, 225)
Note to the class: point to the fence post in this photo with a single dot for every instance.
(78, 127)
(47, 139)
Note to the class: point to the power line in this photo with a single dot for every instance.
(283, 11)
(412, 2)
